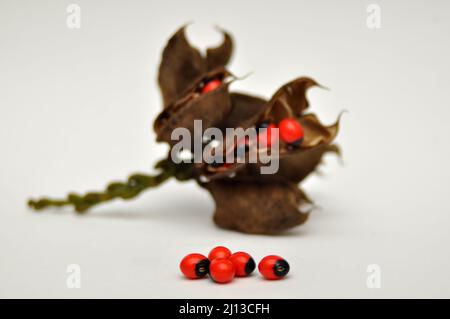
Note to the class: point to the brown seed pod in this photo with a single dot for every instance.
(211, 108)
(182, 65)
(257, 207)
(196, 87)
(245, 110)
(183, 73)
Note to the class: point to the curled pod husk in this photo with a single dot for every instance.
(294, 167)
(290, 97)
(211, 108)
(257, 207)
(183, 73)
(245, 110)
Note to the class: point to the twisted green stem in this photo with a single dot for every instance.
(135, 184)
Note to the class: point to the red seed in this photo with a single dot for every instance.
(273, 267)
(194, 266)
(243, 263)
(221, 270)
(291, 131)
(211, 85)
(219, 252)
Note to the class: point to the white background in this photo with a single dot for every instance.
(77, 108)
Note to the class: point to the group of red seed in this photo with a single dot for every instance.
(222, 266)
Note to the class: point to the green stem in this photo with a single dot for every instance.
(135, 184)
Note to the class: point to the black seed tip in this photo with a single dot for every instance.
(297, 143)
(202, 268)
(281, 268)
(250, 266)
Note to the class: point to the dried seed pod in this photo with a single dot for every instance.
(245, 110)
(197, 87)
(183, 72)
(292, 95)
(294, 167)
(182, 65)
(256, 206)
(220, 56)
(316, 133)
(211, 108)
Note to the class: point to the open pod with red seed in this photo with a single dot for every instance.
(251, 202)
(288, 102)
(183, 67)
(196, 87)
(210, 108)
(183, 75)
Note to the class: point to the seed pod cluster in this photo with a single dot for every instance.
(223, 266)
(197, 87)
(246, 200)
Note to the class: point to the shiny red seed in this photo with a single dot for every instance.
(219, 252)
(221, 270)
(194, 266)
(291, 131)
(273, 267)
(211, 85)
(243, 263)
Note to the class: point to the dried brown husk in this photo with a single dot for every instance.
(295, 166)
(211, 108)
(245, 110)
(291, 95)
(182, 65)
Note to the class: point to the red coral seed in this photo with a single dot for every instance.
(273, 267)
(211, 85)
(243, 263)
(220, 252)
(222, 270)
(194, 266)
(291, 131)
